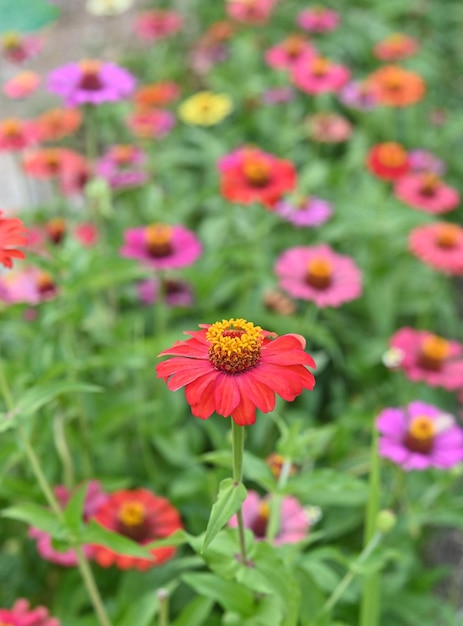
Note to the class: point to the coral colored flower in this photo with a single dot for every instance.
(21, 614)
(233, 367)
(151, 124)
(251, 175)
(94, 498)
(87, 234)
(18, 47)
(388, 161)
(419, 436)
(91, 82)
(396, 47)
(48, 163)
(360, 95)
(177, 293)
(157, 24)
(430, 358)
(74, 177)
(426, 192)
(58, 123)
(141, 516)
(319, 75)
(12, 234)
(16, 134)
(319, 274)
(205, 108)
(30, 285)
(425, 161)
(162, 246)
(22, 85)
(250, 11)
(122, 166)
(397, 87)
(157, 94)
(294, 523)
(328, 127)
(304, 211)
(290, 51)
(108, 7)
(318, 19)
(439, 245)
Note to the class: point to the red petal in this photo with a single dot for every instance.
(245, 412)
(259, 394)
(290, 357)
(195, 389)
(282, 380)
(206, 406)
(307, 378)
(186, 376)
(189, 348)
(227, 395)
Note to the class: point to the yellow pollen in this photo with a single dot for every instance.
(264, 510)
(421, 428)
(434, 351)
(132, 513)
(123, 153)
(235, 345)
(158, 238)
(392, 154)
(393, 79)
(448, 235)
(11, 127)
(256, 169)
(44, 282)
(293, 45)
(11, 40)
(52, 158)
(430, 183)
(319, 273)
(320, 66)
(90, 66)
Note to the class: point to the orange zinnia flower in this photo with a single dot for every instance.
(58, 123)
(12, 233)
(233, 367)
(396, 86)
(388, 160)
(157, 94)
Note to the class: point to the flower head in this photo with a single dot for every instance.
(205, 108)
(157, 24)
(157, 94)
(294, 523)
(439, 245)
(396, 47)
(426, 161)
(328, 127)
(21, 614)
(18, 47)
(58, 123)
(316, 75)
(426, 192)
(122, 166)
(48, 163)
(420, 436)
(305, 211)
(361, 95)
(388, 161)
(22, 85)
(250, 11)
(177, 293)
(318, 19)
(12, 234)
(29, 285)
(91, 81)
(233, 367)
(430, 358)
(162, 246)
(319, 274)
(151, 124)
(141, 516)
(16, 134)
(290, 51)
(397, 87)
(108, 7)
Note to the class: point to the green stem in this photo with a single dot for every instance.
(163, 599)
(237, 450)
(63, 451)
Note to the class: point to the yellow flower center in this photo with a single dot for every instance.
(448, 235)
(293, 46)
(320, 67)
(256, 170)
(131, 513)
(434, 351)
(158, 239)
(11, 128)
(319, 273)
(52, 159)
(420, 435)
(11, 40)
(260, 522)
(45, 284)
(123, 154)
(235, 345)
(56, 229)
(90, 79)
(392, 154)
(393, 80)
(430, 183)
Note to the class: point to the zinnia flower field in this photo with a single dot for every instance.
(231, 365)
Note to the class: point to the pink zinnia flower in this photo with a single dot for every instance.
(21, 614)
(328, 127)
(87, 234)
(122, 165)
(316, 75)
(425, 161)
(429, 358)
(94, 498)
(161, 246)
(91, 82)
(19, 47)
(427, 192)
(306, 211)
(294, 520)
(151, 124)
(16, 134)
(250, 11)
(360, 95)
(420, 436)
(396, 47)
(278, 95)
(157, 24)
(288, 52)
(176, 292)
(30, 285)
(318, 19)
(319, 274)
(439, 245)
(22, 85)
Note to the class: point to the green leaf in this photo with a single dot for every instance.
(230, 595)
(37, 516)
(195, 613)
(231, 495)
(178, 538)
(26, 15)
(73, 513)
(32, 400)
(94, 533)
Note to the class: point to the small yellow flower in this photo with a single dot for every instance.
(108, 7)
(205, 108)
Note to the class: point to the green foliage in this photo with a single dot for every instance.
(26, 15)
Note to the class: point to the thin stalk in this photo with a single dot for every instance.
(63, 451)
(163, 599)
(237, 451)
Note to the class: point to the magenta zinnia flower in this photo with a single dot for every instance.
(430, 358)
(307, 211)
(233, 367)
(420, 436)
(122, 166)
(427, 192)
(439, 245)
(175, 292)
(318, 19)
(91, 82)
(294, 521)
(316, 75)
(288, 52)
(21, 614)
(319, 274)
(161, 246)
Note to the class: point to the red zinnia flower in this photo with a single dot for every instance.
(12, 233)
(233, 367)
(252, 175)
(388, 161)
(141, 516)
(47, 163)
